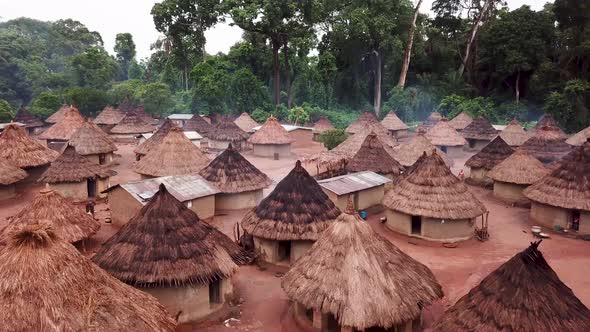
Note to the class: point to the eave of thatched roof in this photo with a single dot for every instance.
(73, 167)
(226, 130)
(55, 117)
(392, 122)
(65, 127)
(519, 168)
(89, 139)
(165, 244)
(246, 123)
(514, 134)
(232, 173)
(569, 185)
(430, 122)
(156, 138)
(460, 121)
(271, 132)
(47, 285)
(491, 155)
(442, 134)
(429, 189)
(547, 144)
(198, 124)
(523, 294)
(408, 153)
(579, 138)
(29, 120)
(132, 123)
(481, 129)
(297, 209)
(372, 156)
(109, 116)
(322, 125)
(9, 173)
(360, 277)
(21, 150)
(364, 120)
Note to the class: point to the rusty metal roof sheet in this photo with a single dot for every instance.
(350, 183)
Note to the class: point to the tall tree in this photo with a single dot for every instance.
(408, 50)
(94, 68)
(125, 51)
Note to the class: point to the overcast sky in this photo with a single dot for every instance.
(110, 17)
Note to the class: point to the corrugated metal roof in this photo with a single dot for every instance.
(191, 135)
(287, 127)
(350, 183)
(4, 125)
(499, 127)
(180, 116)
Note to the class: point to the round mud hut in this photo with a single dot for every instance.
(479, 133)
(167, 251)
(271, 140)
(397, 128)
(9, 176)
(77, 177)
(47, 285)
(157, 138)
(322, 125)
(486, 159)
(514, 135)
(431, 203)
(514, 174)
(246, 123)
(33, 124)
(460, 121)
(408, 153)
(430, 122)
(240, 182)
(577, 139)
(175, 155)
(523, 294)
(352, 279)
(287, 222)
(547, 144)
(198, 124)
(362, 122)
(91, 142)
(226, 132)
(55, 117)
(130, 127)
(373, 157)
(562, 198)
(446, 138)
(61, 132)
(108, 118)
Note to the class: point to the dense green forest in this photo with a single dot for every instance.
(302, 59)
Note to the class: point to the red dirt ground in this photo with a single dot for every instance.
(266, 308)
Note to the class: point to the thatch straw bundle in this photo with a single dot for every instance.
(156, 138)
(460, 121)
(362, 122)
(175, 155)
(547, 120)
(519, 168)
(109, 116)
(47, 285)
(407, 154)
(271, 132)
(72, 167)
(232, 173)
(140, 110)
(323, 124)
(28, 119)
(21, 150)
(226, 130)
(165, 244)
(126, 105)
(63, 130)
(360, 277)
(480, 129)
(55, 117)
(491, 155)
(132, 123)
(523, 294)
(514, 134)
(372, 156)
(430, 121)
(198, 124)
(246, 123)
(579, 138)
(442, 134)
(68, 221)
(89, 139)
(392, 122)
(9, 173)
(547, 144)
(297, 209)
(429, 189)
(569, 185)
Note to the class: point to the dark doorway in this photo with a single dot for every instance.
(91, 186)
(576, 220)
(443, 149)
(215, 291)
(284, 251)
(102, 158)
(472, 143)
(333, 325)
(416, 225)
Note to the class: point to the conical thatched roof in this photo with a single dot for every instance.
(226, 130)
(480, 128)
(126, 105)
(9, 173)
(364, 120)
(156, 138)
(392, 122)
(297, 209)
(408, 153)
(271, 132)
(140, 111)
(519, 168)
(514, 134)
(523, 294)
(430, 121)
(65, 127)
(165, 244)
(55, 117)
(109, 116)
(198, 124)
(73, 167)
(569, 185)
(442, 134)
(21, 150)
(89, 139)
(579, 138)
(361, 278)
(547, 120)
(323, 124)
(372, 156)
(246, 123)
(132, 123)
(431, 190)
(460, 121)
(547, 144)
(491, 155)
(28, 119)
(175, 155)
(47, 285)
(232, 173)
(70, 222)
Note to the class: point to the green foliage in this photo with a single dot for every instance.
(298, 115)
(259, 115)
(157, 98)
(570, 106)
(130, 89)
(125, 50)
(332, 138)
(89, 101)
(45, 104)
(246, 91)
(135, 71)
(94, 68)
(6, 111)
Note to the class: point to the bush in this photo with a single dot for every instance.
(298, 115)
(6, 111)
(332, 138)
(45, 104)
(89, 101)
(259, 115)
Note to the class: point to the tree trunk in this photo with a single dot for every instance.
(408, 51)
(377, 84)
(473, 34)
(287, 71)
(516, 87)
(276, 45)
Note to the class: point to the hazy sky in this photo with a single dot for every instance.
(110, 17)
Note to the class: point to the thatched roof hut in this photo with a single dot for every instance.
(109, 116)
(246, 123)
(579, 138)
(444, 136)
(480, 129)
(393, 123)
(514, 134)
(486, 159)
(175, 155)
(91, 140)
(523, 294)
(126, 105)
(29, 120)
(519, 168)
(547, 120)
(408, 153)
(23, 151)
(140, 110)
(430, 121)
(155, 139)
(372, 156)
(65, 127)
(224, 132)
(272, 133)
(198, 124)
(9, 173)
(55, 117)
(365, 120)
(460, 121)
(80, 297)
(132, 124)
(547, 144)
(361, 278)
(323, 124)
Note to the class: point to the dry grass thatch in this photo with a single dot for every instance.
(126, 105)
(364, 120)
(547, 144)
(429, 189)
(392, 122)
(271, 132)
(231, 173)
(140, 110)
(407, 154)
(198, 124)
(514, 134)
(519, 168)
(430, 122)
(165, 244)
(109, 116)
(246, 123)
(21, 150)
(9, 173)
(442, 134)
(47, 285)
(175, 155)
(523, 294)
(460, 121)
(323, 124)
(360, 277)
(547, 120)
(480, 129)
(491, 155)
(72, 167)
(65, 127)
(89, 139)
(579, 138)
(70, 222)
(569, 185)
(226, 130)
(55, 117)
(297, 209)
(372, 156)
(28, 119)
(132, 123)
(156, 138)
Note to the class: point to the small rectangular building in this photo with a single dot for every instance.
(180, 119)
(366, 189)
(126, 199)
